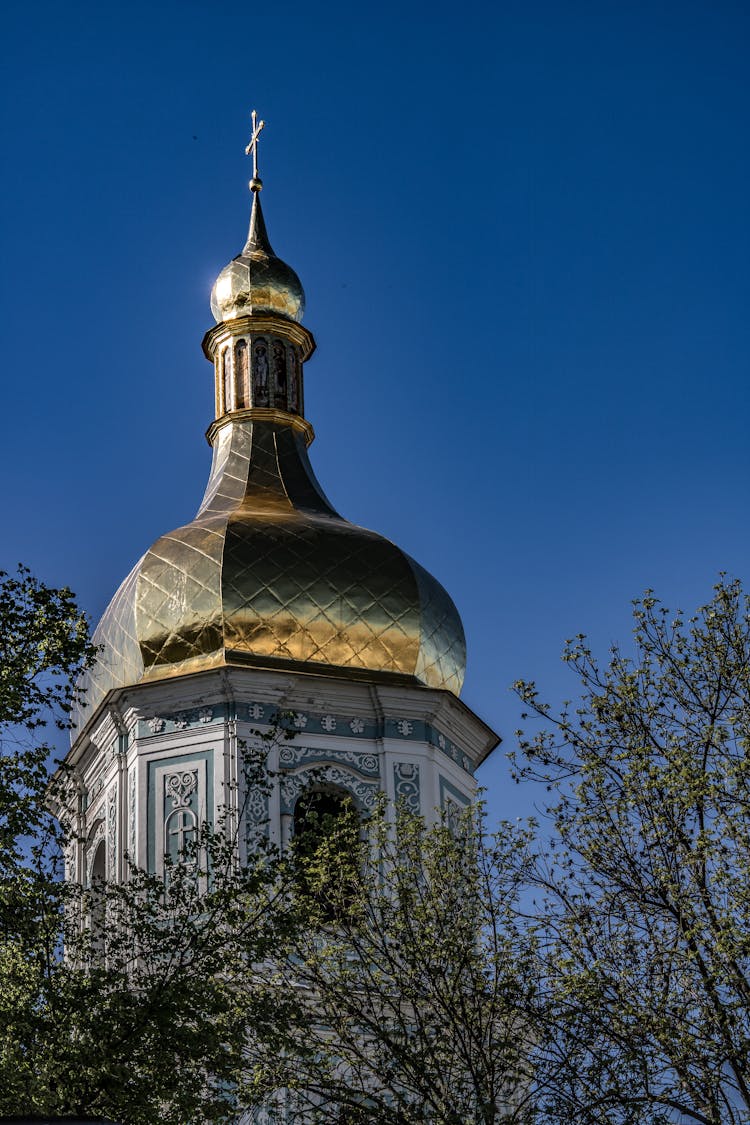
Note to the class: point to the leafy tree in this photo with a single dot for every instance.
(44, 646)
(396, 973)
(120, 1001)
(646, 907)
(145, 1019)
(413, 980)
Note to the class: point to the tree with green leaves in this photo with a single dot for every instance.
(413, 980)
(119, 1001)
(392, 972)
(44, 646)
(644, 904)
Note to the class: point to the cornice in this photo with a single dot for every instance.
(266, 324)
(262, 414)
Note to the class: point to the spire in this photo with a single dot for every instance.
(257, 238)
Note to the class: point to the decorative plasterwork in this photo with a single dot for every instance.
(327, 723)
(131, 815)
(291, 785)
(406, 785)
(112, 833)
(291, 757)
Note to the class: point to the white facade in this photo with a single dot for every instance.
(159, 758)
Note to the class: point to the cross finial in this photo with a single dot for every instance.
(252, 149)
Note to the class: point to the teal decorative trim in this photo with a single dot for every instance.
(290, 757)
(347, 726)
(257, 816)
(412, 730)
(437, 739)
(326, 723)
(181, 720)
(452, 793)
(176, 763)
(406, 785)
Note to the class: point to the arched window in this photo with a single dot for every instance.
(97, 908)
(179, 832)
(242, 397)
(317, 811)
(260, 372)
(326, 846)
(226, 380)
(293, 398)
(279, 374)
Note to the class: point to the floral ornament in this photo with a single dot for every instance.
(406, 779)
(404, 727)
(255, 711)
(181, 720)
(180, 786)
(299, 720)
(328, 723)
(441, 741)
(205, 715)
(356, 726)
(156, 724)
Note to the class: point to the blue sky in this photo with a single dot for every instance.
(523, 233)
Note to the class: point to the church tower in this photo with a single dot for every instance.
(268, 607)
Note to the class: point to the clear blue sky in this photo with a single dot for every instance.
(523, 232)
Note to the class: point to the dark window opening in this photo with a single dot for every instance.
(326, 847)
(240, 374)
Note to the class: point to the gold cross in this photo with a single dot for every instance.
(258, 127)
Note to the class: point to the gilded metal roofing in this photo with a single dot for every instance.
(256, 281)
(269, 574)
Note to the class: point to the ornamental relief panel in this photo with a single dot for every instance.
(406, 785)
(131, 815)
(112, 833)
(290, 757)
(364, 792)
(177, 807)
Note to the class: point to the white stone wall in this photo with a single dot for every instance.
(148, 745)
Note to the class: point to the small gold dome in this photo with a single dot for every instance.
(256, 281)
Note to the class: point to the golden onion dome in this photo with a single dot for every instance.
(269, 575)
(256, 281)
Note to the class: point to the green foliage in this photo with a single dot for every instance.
(646, 901)
(387, 972)
(44, 646)
(142, 1020)
(414, 982)
(117, 1001)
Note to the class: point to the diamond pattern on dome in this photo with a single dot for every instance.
(227, 483)
(442, 652)
(267, 568)
(307, 589)
(118, 661)
(178, 598)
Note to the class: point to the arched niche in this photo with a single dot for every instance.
(325, 845)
